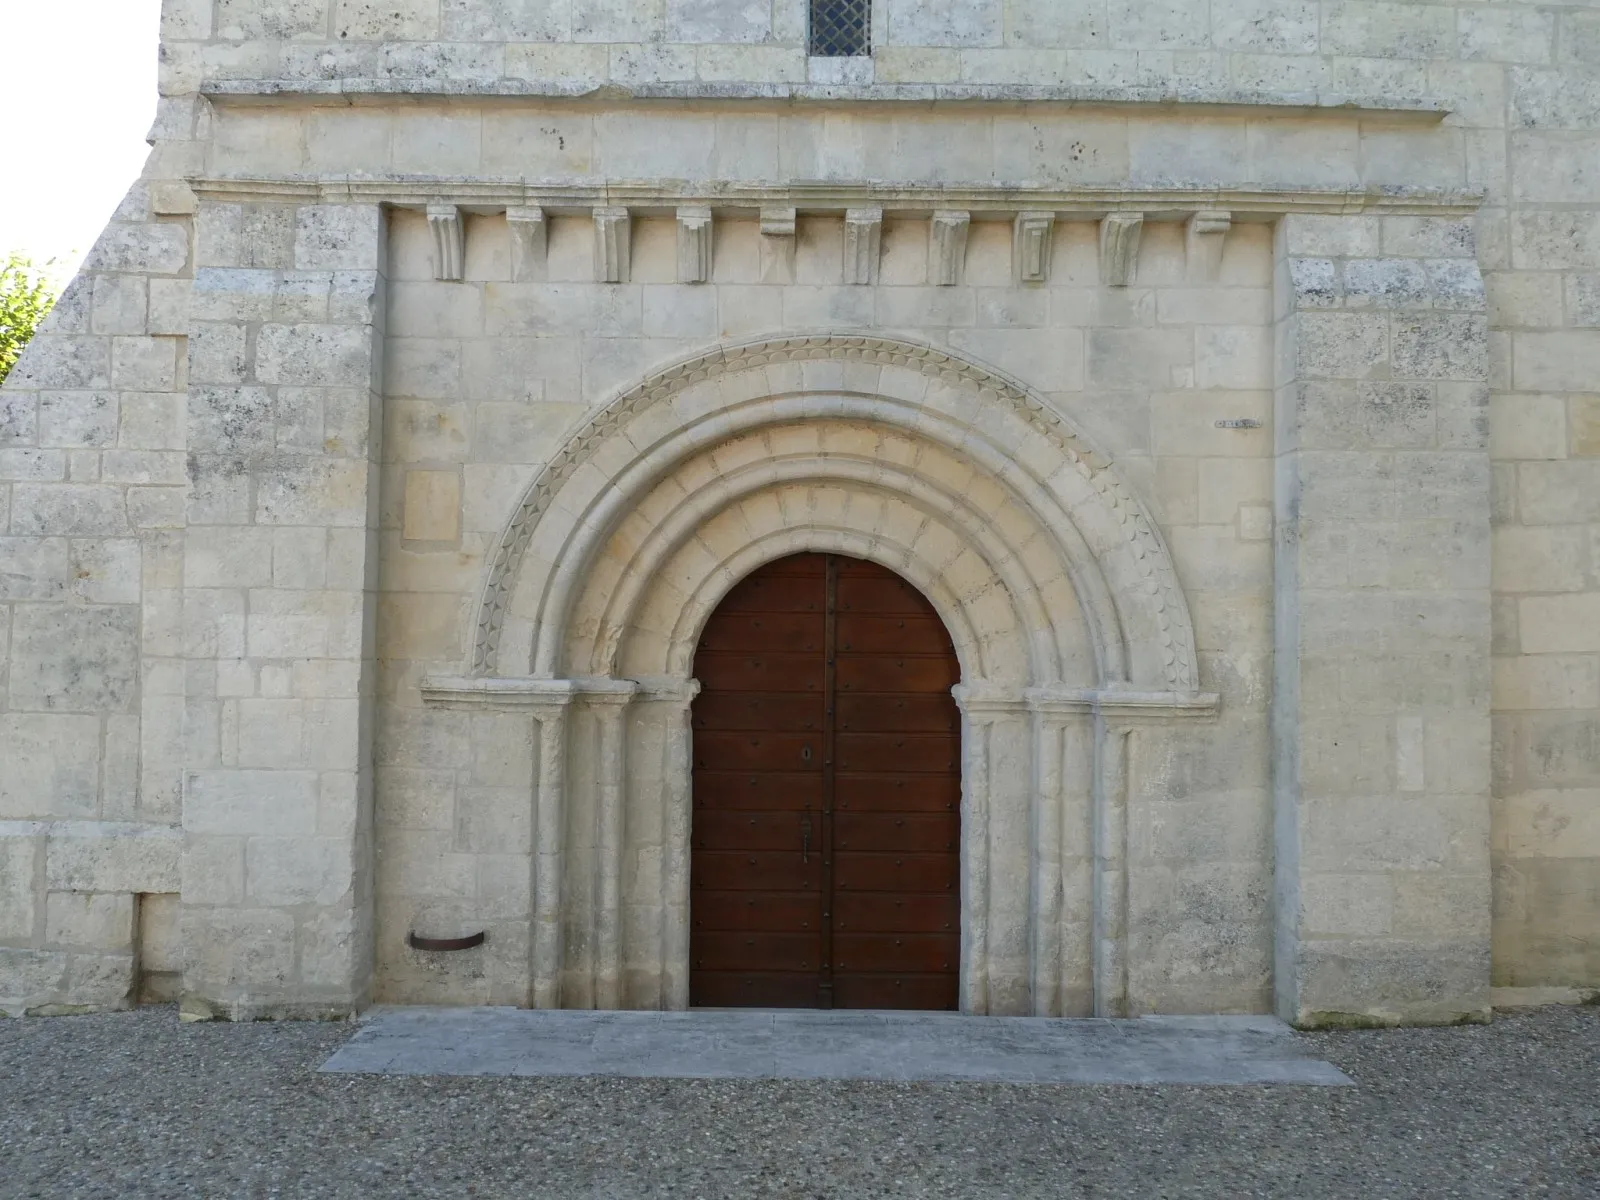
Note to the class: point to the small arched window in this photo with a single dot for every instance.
(841, 28)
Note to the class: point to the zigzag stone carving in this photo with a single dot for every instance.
(1148, 549)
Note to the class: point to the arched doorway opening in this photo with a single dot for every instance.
(826, 824)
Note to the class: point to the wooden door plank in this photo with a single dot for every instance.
(917, 833)
(895, 951)
(885, 912)
(898, 793)
(900, 873)
(776, 711)
(923, 713)
(926, 992)
(773, 790)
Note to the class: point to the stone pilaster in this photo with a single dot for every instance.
(549, 850)
(1061, 904)
(278, 599)
(1111, 869)
(609, 700)
(1381, 707)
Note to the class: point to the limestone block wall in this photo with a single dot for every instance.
(1381, 705)
(279, 588)
(486, 376)
(114, 468)
(92, 508)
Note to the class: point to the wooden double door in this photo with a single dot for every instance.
(827, 794)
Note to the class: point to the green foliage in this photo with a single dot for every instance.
(26, 295)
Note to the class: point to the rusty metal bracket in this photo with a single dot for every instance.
(445, 945)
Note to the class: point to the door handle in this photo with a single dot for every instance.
(805, 839)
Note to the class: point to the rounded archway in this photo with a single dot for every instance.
(1002, 482)
(826, 789)
(1057, 592)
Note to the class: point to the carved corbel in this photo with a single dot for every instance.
(529, 242)
(863, 241)
(777, 245)
(948, 249)
(1119, 248)
(612, 243)
(1207, 233)
(1031, 245)
(694, 243)
(449, 241)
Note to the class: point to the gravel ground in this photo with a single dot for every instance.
(137, 1105)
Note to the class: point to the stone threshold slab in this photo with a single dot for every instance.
(838, 1045)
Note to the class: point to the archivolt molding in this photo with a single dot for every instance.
(733, 503)
(1145, 546)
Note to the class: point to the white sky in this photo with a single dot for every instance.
(78, 87)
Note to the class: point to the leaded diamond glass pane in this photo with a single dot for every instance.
(841, 28)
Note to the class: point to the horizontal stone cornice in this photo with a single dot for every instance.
(1225, 100)
(815, 196)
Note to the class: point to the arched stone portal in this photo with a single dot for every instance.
(1056, 588)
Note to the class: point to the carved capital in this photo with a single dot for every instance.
(449, 241)
(1119, 248)
(694, 243)
(863, 240)
(947, 251)
(1030, 245)
(529, 242)
(674, 689)
(613, 234)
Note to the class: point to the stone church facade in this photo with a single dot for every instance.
(1212, 387)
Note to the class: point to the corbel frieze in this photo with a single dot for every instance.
(530, 233)
(1030, 246)
(1206, 233)
(863, 244)
(777, 243)
(449, 241)
(613, 239)
(694, 243)
(1207, 214)
(1119, 248)
(948, 252)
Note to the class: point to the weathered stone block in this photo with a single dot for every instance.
(33, 568)
(1341, 345)
(74, 660)
(106, 570)
(1441, 347)
(242, 802)
(229, 952)
(89, 921)
(63, 361)
(157, 248)
(324, 355)
(432, 506)
(108, 857)
(19, 888)
(294, 871)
